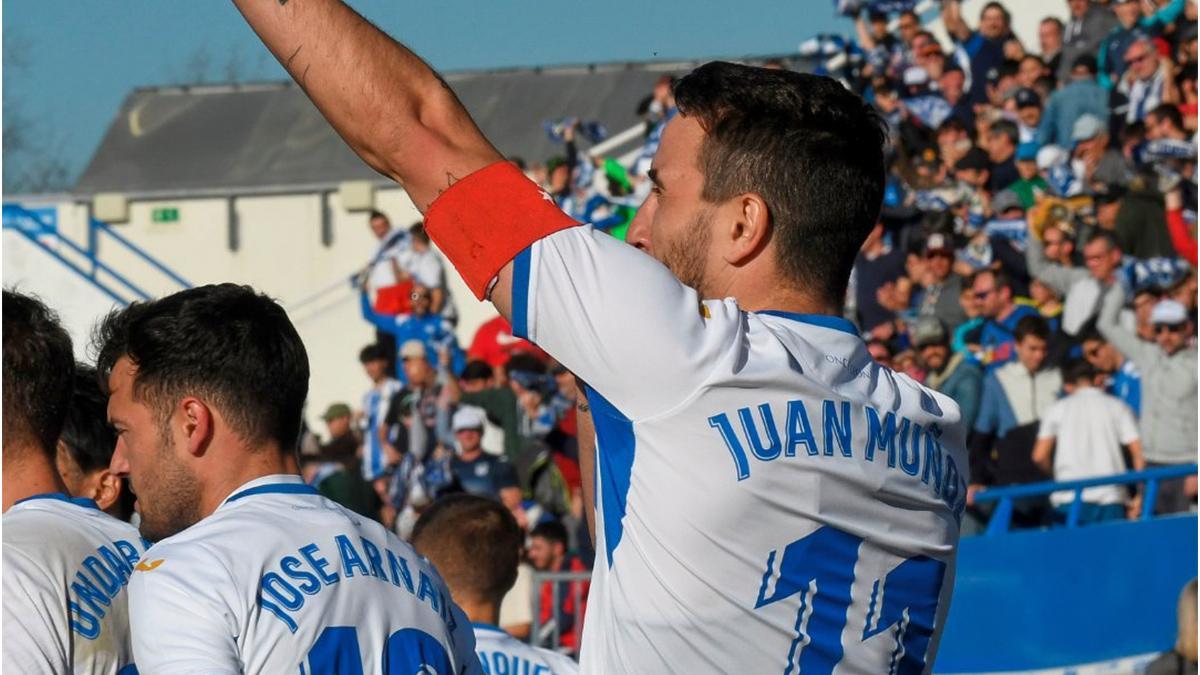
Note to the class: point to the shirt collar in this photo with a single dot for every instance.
(289, 482)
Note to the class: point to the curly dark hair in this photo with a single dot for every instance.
(38, 367)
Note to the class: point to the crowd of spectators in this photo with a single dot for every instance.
(1034, 260)
(1035, 257)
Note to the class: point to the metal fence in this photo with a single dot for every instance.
(549, 634)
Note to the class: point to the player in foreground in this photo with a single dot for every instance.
(475, 543)
(253, 570)
(770, 499)
(66, 562)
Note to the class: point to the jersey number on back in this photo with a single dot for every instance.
(408, 652)
(820, 567)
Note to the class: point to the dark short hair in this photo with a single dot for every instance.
(86, 433)
(803, 143)
(1056, 21)
(475, 544)
(1104, 235)
(526, 362)
(1000, 279)
(418, 232)
(550, 530)
(378, 214)
(226, 343)
(1169, 112)
(373, 352)
(1002, 8)
(1090, 333)
(38, 369)
(1078, 370)
(1031, 325)
(476, 370)
(1008, 129)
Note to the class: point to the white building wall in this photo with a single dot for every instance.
(280, 253)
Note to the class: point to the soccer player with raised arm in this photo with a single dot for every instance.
(769, 499)
(66, 562)
(475, 543)
(252, 570)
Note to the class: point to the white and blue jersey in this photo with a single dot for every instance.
(769, 499)
(502, 654)
(66, 567)
(375, 407)
(282, 580)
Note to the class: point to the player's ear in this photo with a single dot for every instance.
(107, 489)
(197, 423)
(749, 230)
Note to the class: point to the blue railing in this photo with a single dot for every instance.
(1005, 496)
(32, 227)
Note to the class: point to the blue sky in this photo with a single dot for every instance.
(78, 59)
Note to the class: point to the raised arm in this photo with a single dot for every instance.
(953, 21)
(387, 103)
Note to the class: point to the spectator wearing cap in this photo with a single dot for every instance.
(375, 406)
(952, 86)
(950, 373)
(997, 305)
(1081, 96)
(1121, 376)
(1007, 224)
(476, 471)
(938, 297)
(985, 46)
(1145, 80)
(1002, 140)
(1131, 27)
(1001, 80)
(1084, 436)
(1015, 397)
(514, 405)
(335, 471)
(1030, 186)
(1099, 162)
(1089, 23)
(1169, 383)
(974, 170)
(432, 330)
(1027, 105)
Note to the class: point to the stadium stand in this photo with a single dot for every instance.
(1000, 259)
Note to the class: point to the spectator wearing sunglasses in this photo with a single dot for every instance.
(1168, 369)
(433, 330)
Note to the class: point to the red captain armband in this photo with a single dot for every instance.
(484, 220)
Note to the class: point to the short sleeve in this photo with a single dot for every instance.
(35, 632)
(1127, 429)
(504, 475)
(178, 624)
(1051, 421)
(619, 319)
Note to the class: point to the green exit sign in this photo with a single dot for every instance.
(166, 214)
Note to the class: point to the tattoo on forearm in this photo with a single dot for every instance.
(451, 179)
(582, 405)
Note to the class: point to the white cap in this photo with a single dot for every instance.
(1052, 155)
(1168, 312)
(915, 76)
(468, 417)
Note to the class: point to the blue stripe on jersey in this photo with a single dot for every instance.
(822, 320)
(277, 488)
(58, 496)
(615, 447)
(520, 293)
(375, 407)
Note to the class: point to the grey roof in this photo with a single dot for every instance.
(245, 137)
